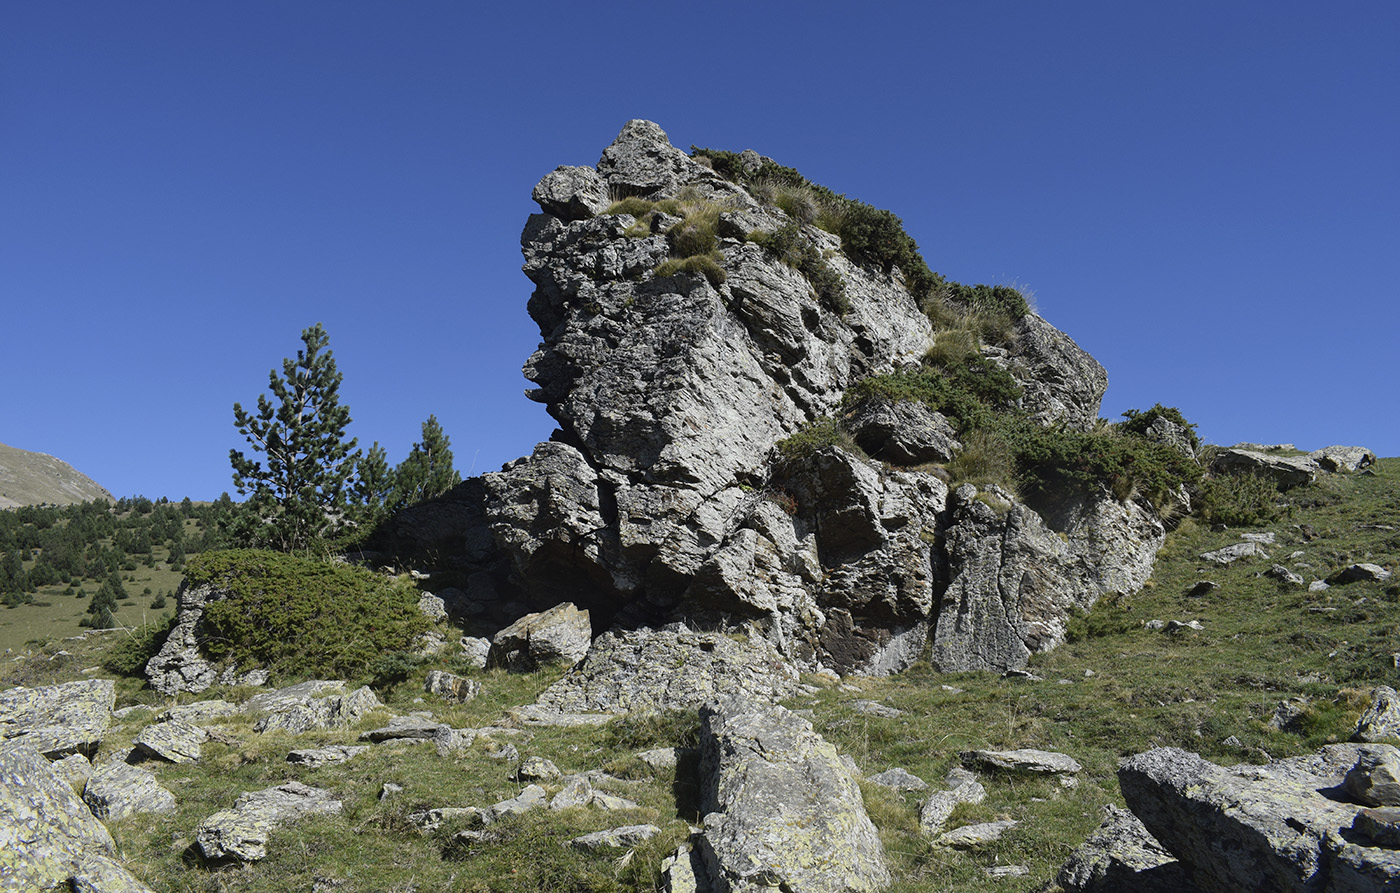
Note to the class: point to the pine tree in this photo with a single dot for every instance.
(374, 484)
(428, 471)
(300, 494)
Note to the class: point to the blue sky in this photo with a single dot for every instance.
(1206, 196)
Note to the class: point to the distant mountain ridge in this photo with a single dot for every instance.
(28, 478)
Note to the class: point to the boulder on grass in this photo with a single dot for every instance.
(560, 635)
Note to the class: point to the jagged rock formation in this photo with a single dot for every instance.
(28, 478)
(662, 498)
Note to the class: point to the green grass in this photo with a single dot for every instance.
(1125, 689)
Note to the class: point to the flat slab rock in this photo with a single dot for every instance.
(1281, 827)
(117, 790)
(174, 740)
(314, 757)
(240, 834)
(58, 720)
(782, 811)
(1022, 760)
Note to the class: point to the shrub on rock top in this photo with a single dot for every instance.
(300, 617)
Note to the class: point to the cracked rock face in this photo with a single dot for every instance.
(782, 810)
(662, 497)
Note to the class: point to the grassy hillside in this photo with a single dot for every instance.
(28, 478)
(1118, 687)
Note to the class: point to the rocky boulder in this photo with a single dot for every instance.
(117, 790)
(560, 635)
(1285, 826)
(48, 836)
(1286, 471)
(240, 834)
(781, 809)
(58, 720)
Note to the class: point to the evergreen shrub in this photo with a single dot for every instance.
(301, 617)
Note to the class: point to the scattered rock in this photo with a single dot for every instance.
(240, 834)
(780, 808)
(76, 768)
(1381, 718)
(934, 812)
(1041, 762)
(1121, 857)
(660, 759)
(475, 651)
(1205, 587)
(536, 769)
(47, 831)
(971, 836)
(1359, 573)
(900, 780)
(1231, 554)
(872, 708)
(199, 711)
(404, 727)
(457, 689)
(1000, 871)
(615, 838)
(1375, 779)
(311, 706)
(1256, 827)
(432, 607)
(315, 757)
(1284, 575)
(174, 740)
(117, 790)
(532, 797)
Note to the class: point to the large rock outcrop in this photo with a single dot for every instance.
(662, 497)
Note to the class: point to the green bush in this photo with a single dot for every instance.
(129, 655)
(970, 395)
(1244, 500)
(820, 434)
(1137, 422)
(300, 617)
(706, 265)
(794, 249)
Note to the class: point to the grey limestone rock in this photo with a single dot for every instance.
(1375, 779)
(475, 651)
(199, 711)
(1121, 857)
(178, 666)
(936, 809)
(1381, 718)
(58, 720)
(1286, 471)
(781, 810)
(615, 838)
(971, 836)
(1360, 573)
(432, 607)
(451, 687)
(240, 834)
(536, 768)
(1284, 575)
(900, 780)
(1013, 579)
(905, 432)
(315, 757)
(673, 667)
(1039, 762)
(172, 740)
(531, 797)
(1231, 554)
(46, 830)
(559, 635)
(403, 727)
(311, 706)
(76, 768)
(117, 790)
(572, 193)
(1257, 827)
(101, 874)
(1343, 458)
(1062, 382)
